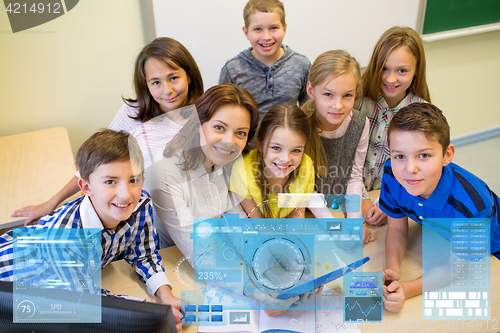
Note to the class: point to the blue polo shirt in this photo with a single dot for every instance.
(459, 194)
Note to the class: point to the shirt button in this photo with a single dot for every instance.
(379, 137)
(374, 154)
(420, 204)
(420, 218)
(270, 86)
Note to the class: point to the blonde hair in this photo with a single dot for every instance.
(391, 39)
(284, 115)
(328, 66)
(265, 6)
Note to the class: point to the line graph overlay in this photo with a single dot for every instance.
(366, 308)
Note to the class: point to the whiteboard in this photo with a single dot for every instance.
(211, 29)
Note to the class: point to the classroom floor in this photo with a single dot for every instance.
(482, 159)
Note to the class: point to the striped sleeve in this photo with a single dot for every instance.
(122, 120)
(62, 217)
(143, 253)
(6, 256)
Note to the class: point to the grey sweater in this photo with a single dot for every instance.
(284, 81)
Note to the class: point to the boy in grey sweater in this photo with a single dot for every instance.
(272, 73)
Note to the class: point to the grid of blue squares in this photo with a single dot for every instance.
(216, 318)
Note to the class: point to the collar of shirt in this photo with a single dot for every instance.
(287, 54)
(382, 104)
(340, 131)
(201, 172)
(409, 98)
(439, 197)
(89, 216)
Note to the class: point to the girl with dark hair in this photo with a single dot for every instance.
(192, 177)
(166, 78)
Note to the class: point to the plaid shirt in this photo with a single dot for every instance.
(380, 115)
(135, 240)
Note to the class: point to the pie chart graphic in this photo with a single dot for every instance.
(278, 263)
(28, 14)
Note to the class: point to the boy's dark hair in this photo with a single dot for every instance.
(424, 117)
(265, 6)
(107, 146)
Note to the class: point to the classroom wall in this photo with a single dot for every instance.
(71, 71)
(311, 29)
(463, 77)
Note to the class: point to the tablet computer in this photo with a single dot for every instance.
(309, 286)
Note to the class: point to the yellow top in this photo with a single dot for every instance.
(244, 181)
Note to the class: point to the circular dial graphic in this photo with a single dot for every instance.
(278, 263)
(184, 271)
(25, 309)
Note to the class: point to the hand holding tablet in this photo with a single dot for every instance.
(307, 287)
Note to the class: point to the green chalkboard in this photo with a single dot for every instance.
(445, 15)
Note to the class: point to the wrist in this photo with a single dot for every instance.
(393, 267)
(404, 287)
(412, 288)
(392, 274)
(54, 202)
(164, 293)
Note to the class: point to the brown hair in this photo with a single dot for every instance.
(327, 67)
(391, 39)
(107, 146)
(174, 55)
(423, 117)
(189, 138)
(284, 115)
(264, 6)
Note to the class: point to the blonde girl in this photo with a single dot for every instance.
(339, 153)
(395, 77)
(278, 165)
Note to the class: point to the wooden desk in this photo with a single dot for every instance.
(120, 278)
(34, 166)
(409, 319)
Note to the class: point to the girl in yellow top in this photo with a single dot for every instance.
(278, 165)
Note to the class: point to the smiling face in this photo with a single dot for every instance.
(224, 136)
(265, 33)
(417, 162)
(398, 73)
(169, 87)
(334, 100)
(282, 153)
(114, 190)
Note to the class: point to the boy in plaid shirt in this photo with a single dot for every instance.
(111, 169)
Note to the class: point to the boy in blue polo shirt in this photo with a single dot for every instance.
(271, 72)
(420, 182)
